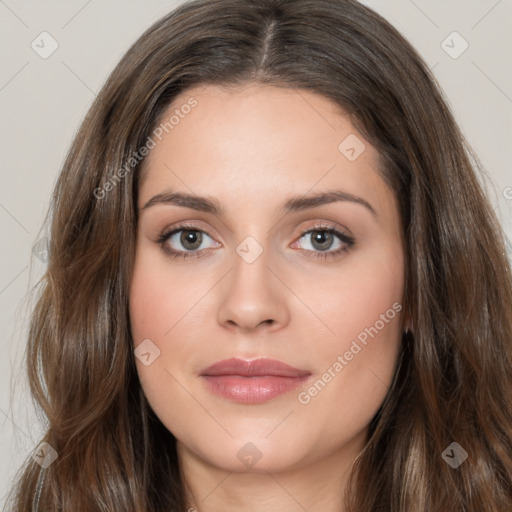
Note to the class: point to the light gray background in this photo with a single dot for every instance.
(42, 102)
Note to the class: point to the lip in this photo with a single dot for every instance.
(255, 368)
(251, 382)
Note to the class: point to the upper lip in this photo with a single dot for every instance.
(253, 368)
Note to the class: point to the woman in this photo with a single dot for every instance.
(337, 335)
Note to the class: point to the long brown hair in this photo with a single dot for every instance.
(453, 378)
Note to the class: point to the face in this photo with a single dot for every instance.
(286, 247)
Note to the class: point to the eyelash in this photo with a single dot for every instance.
(166, 234)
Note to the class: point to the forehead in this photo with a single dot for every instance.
(258, 140)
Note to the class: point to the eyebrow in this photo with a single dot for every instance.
(294, 204)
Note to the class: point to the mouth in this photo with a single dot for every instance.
(252, 382)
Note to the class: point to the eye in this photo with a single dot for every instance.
(189, 240)
(326, 241)
(184, 241)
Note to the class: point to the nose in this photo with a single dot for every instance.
(253, 297)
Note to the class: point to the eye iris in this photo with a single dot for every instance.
(191, 237)
(323, 238)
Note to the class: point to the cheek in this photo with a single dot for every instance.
(160, 297)
(363, 311)
(354, 298)
(159, 302)
(165, 308)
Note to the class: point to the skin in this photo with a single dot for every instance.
(251, 148)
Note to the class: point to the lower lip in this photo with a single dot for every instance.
(251, 390)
